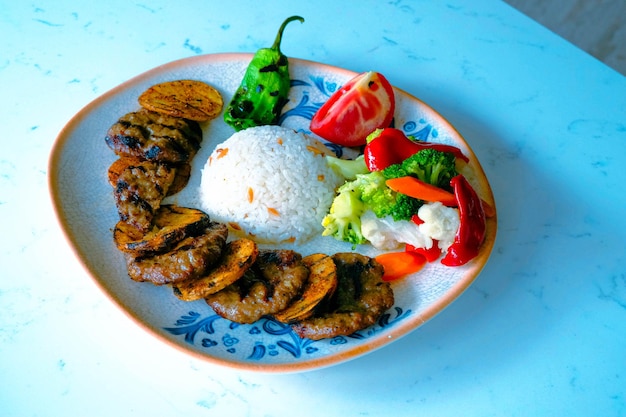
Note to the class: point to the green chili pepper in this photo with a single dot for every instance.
(264, 88)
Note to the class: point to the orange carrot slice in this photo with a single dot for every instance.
(421, 190)
(400, 264)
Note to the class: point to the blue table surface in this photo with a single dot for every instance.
(542, 331)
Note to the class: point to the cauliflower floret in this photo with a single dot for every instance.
(440, 223)
(387, 234)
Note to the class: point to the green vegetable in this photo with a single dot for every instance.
(366, 192)
(347, 168)
(383, 201)
(264, 89)
(429, 165)
(369, 192)
(343, 222)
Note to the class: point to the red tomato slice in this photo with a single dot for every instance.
(362, 105)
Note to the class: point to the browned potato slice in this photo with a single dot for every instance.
(189, 99)
(183, 173)
(238, 256)
(321, 284)
(313, 258)
(171, 224)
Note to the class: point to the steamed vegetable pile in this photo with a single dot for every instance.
(400, 195)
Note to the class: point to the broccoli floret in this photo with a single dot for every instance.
(428, 165)
(383, 201)
(367, 191)
(405, 207)
(343, 222)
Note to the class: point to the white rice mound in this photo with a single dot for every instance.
(270, 183)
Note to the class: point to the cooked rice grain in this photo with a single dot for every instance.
(271, 182)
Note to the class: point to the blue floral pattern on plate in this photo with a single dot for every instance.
(271, 337)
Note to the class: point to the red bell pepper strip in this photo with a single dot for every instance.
(472, 228)
(392, 146)
(416, 219)
(431, 254)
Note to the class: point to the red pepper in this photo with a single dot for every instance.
(416, 219)
(472, 228)
(431, 254)
(392, 146)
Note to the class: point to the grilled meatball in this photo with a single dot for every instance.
(190, 259)
(139, 191)
(275, 279)
(153, 136)
(183, 173)
(359, 301)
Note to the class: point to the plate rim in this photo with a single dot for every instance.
(396, 332)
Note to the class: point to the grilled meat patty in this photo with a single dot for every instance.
(360, 299)
(183, 172)
(139, 190)
(274, 280)
(154, 136)
(190, 259)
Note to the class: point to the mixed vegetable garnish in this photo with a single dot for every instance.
(400, 192)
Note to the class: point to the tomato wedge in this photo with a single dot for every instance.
(362, 105)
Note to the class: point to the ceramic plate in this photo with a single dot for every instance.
(84, 204)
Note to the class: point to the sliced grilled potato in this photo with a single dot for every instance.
(171, 224)
(189, 99)
(238, 256)
(321, 284)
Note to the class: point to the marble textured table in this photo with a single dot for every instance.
(542, 331)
